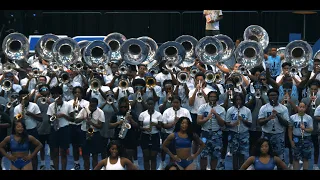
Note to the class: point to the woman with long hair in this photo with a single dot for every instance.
(183, 136)
(115, 159)
(19, 143)
(264, 158)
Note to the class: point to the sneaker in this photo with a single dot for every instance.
(103, 168)
(76, 167)
(220, 166)
(250, 167)
(52, 167)
(161, 166)
(290, 166)
(300, 162)
(315, 167)
(208, 168)
(42, 167)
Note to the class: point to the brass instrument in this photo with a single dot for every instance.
(150, 82)
(298, 53)
(237, 78)
(139, 97)
(152, 46)
(125, 125)
(64, 77)
(82, 44)
(115, 40)
(153, 71)
(110, 99)
(95, 84)
(169, 65)
(219, 77)
(66, 51)
(172, 52)
(258, 34)
(8, 67)
(209, 76)
(209, 50)
(6, 84)
(199, 93)
(9, 104)
(16, 47)
(228, 46)
(193, 71)
(189, 43)
(44, 47)
(43, 100)
(182, 77)
(96, 53)
(249, 54)
(101, 69)
(313, 103)
(79, 65)
(258, 94)
(134, 51)
(123, 69)
(124, 84)
(293, 71)
(285, 99)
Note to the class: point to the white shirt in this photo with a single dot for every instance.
(121, 93)
(160, 77)
(66, 109)
(214, 15)
(83, 103)
(29, 121)
(145, 118)
(295, 121)
(212, 124)
(198, 101)
(169, 115)
(116, 166)
(97, 115)
(97, 94)
(293, 81)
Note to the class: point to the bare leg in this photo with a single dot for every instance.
(63, 159)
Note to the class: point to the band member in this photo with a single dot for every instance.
(299, 132)
(109, 108)
(30, 113)
(20, 143)
(273, 118)
(115, 159)
(150, 124)
(92, 119)
(139, 97)
(75, 129)
(167, 92)
(5, 123)
(264, 158)
(43, 99)
(183, 135)
(211, 117)
(169, 119)
(60, 114)
(130, 140)
(312, 102)
(238, 120)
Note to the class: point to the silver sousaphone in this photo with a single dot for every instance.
(115, 40)
(66, 51)
(228, 50)
(249, 53)
(97, 53)
(44, 46)
(189, 43)
(152, 46)
(172, 52)
(209, 50)
(134, 51)
(298, 53)
(256, 33)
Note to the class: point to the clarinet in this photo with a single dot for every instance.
(238, 126)
(273, 123)
(302, 131)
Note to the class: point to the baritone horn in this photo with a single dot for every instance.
(182, 77)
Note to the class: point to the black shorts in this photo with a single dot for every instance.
(196, 127)
(94, 145)
(44, 139)
(60, 138)
(150, 141)
(75, 134)
(172, 145)
(33, 132)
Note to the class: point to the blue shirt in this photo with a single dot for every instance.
(274, 64)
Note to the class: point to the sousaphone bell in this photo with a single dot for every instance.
(209, 50)
(134, 51)
(189, 43)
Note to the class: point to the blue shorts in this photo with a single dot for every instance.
(60, 138)
(277, 143)
(213, 142)
(239, 143)
(303, 148)
(152, 142)
(184, 163)
(20, 163)
(94, 145)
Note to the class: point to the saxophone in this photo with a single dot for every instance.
(21, 115)
(125, 125)
(54, 118)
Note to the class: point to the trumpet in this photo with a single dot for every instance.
(151, 82)
(313, 103)
(209, 77)
(6, 84)
(64, 77)
(43, 100)
(193, 71)
(95, 84)
(79, 65)
(285, 99)
(123, 69)
(169, 65)
(110, 99)
(258, 94)
(182, 77)
(139, 97)
(123, 84)
(101, 69)
(9, 104)
(218, 77)
(199, 93)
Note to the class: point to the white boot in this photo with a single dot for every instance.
(162, 165)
